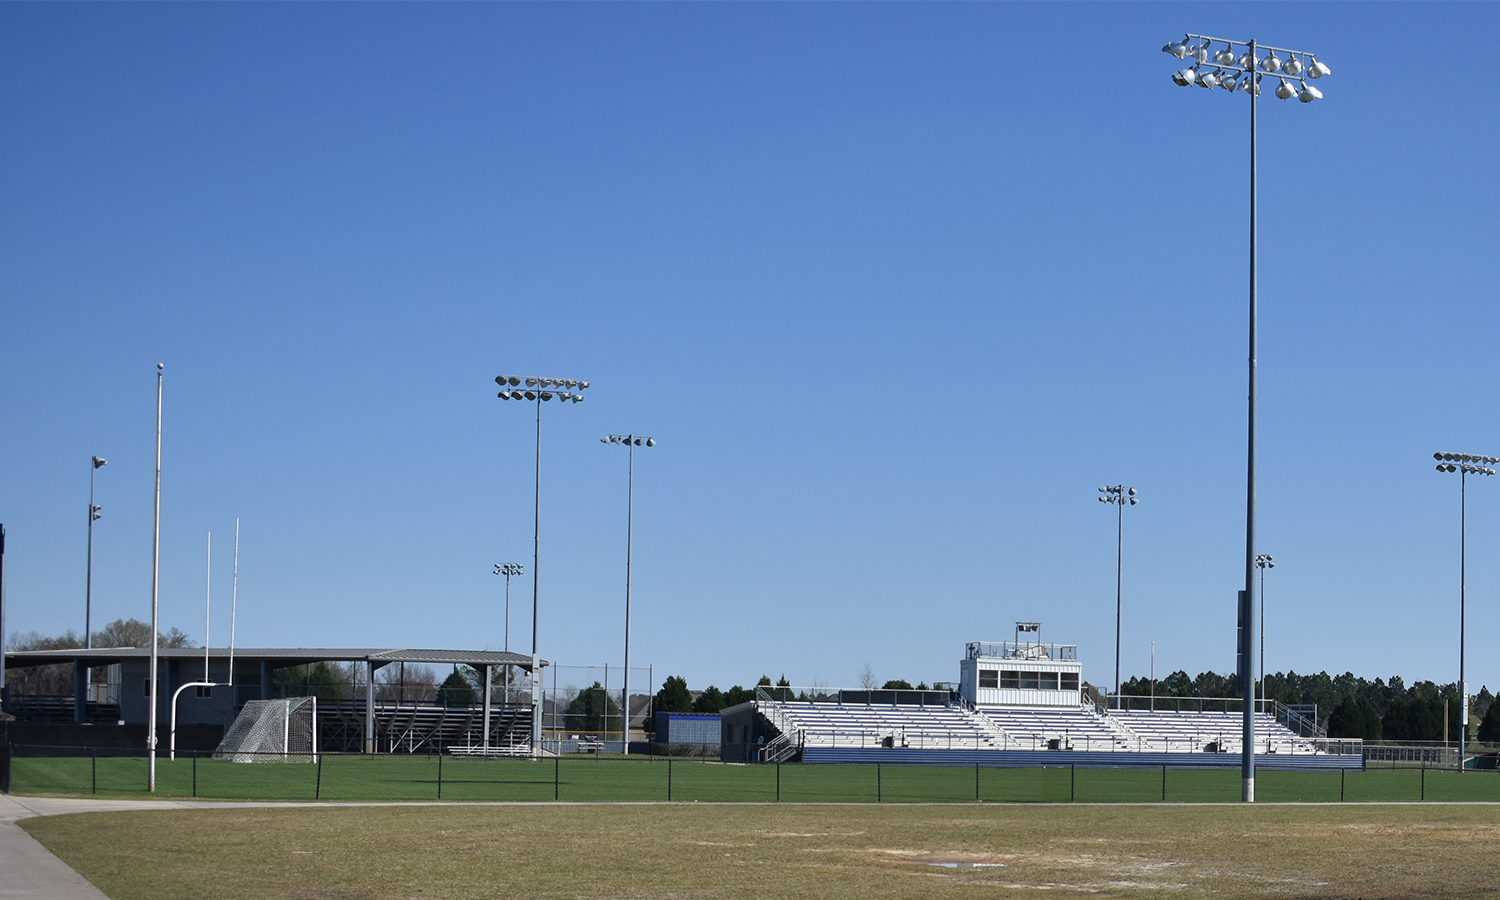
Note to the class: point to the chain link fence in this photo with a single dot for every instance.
(33, 770)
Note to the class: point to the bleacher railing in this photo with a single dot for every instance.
(1013, 650)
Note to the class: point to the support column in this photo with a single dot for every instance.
(265, 680)
(370, 707)
(486, 670)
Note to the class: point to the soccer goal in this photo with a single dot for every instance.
(273, 731)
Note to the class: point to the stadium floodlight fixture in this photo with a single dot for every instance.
(1263, 562)
(1120, 495)
(537, 390)
(1465, 464)
(1240, 67)
(629, 441)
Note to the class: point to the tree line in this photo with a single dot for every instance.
(1353, 707)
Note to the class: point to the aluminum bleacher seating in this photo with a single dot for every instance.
(878, 725)
(1062, 728)
(1209, 732)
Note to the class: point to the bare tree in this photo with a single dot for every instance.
(867, 678)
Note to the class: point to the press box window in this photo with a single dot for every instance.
(1030, 681)
(1048, 681)
(989, 678)
(1010, 680)
(1069, 681)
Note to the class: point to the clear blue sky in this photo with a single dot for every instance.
(895, 286)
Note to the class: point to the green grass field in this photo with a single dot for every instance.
(592, 779)
(704, 852)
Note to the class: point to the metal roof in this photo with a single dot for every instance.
(286, 656)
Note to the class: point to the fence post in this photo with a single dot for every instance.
(778, 781)
(1072, 782)
(195, 773)
(318, 785)
(440, 771)
(1341, 785)
(557, 774)
(5, 768)
(669, 779)
(1424, 783)
(93, 770)
(976, 781)
(878, 798)
(1164, 783)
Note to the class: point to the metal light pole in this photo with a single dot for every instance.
(155, 592)
(508, 569)
(1263, 562)
(538, 390)
(1465, 464)
(631, 441)
(1244, 72)
(1119, 495)
(81, 713)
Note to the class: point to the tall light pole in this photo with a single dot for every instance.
(1263, 562)
(155, 593)
(1465, 464)
(81, 714)
(631, 441)
(1119, 495)
(538, 390)
(508, 569)
(1244, 71)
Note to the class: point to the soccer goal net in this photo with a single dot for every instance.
(273, 731)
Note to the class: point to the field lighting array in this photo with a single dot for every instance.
(1218, 64)
(537, 390)
(1465, 464)
(540, 388)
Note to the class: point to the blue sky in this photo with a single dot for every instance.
(896, 287)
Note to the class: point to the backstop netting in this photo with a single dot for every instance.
(273, 731)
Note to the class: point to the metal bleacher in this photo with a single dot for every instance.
(1063, 728)
(807, 723)
(1210, 732)
(421, 728)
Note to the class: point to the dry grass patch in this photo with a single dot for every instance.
(825, 852)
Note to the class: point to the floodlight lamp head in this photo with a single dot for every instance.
(1451, 467)
(500, 380)
(546, 395)
(99, 462)
(572, 382)
(650, 442)
(1316, 69)
(515, 381)
(530, 382)
(577, 398)
(1271, 63)
(638, 442)
(530, 395)
(604, 440)
(1437, 456)
(1309, 93)
(1176, 48)
(1285, 91)
(1225, 57)
(1209, 80)
(1184, 77)
(1132, 492)
(1134, 500)
(583, 385)
(1200, 52)
(1292, 66)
